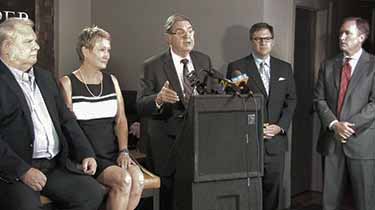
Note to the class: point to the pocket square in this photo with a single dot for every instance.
(281, 79)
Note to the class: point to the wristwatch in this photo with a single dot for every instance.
(125, 151)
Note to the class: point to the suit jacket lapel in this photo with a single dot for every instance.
(197, 66)
(47, 97)
(337, 66)
(171, 73)
(274, 77)
(360, 70)
(254, 76)
(8, 78)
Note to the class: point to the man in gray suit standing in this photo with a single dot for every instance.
(344, 97)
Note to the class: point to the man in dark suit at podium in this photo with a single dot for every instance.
(273, 78)
(164, 96)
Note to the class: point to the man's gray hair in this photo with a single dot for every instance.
(8, 28)
(171, 20)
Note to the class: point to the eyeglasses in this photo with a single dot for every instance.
(182, 33)
(263, 39)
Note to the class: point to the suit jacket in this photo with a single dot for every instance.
(358, 106)
(16, 126)
(279, 105)
(164, 125)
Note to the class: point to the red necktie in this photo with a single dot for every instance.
(345, 79)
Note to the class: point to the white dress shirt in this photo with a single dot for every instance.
(46, 141)
(180, 67)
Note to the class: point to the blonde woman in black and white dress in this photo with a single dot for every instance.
(95, 98)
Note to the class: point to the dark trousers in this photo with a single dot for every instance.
(361, 172)
(167, 197)
(65, 189)
(272, 180)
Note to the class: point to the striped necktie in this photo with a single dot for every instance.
(265, 75)
(188, 90)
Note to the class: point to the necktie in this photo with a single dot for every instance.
(188, 90)
(265, 75)
(345, 79)
(29, 80)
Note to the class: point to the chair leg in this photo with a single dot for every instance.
(155, 199)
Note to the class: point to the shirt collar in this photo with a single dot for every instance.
(355, 56)
(21, 75)
(177, 59)
(258, 61)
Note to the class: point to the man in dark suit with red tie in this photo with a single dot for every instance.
(273, 78)
(164, 96)
(345, 101)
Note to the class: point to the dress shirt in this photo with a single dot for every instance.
(353, 60)
(353, 63)
(180, 67)
(46, 141)
(267, 68)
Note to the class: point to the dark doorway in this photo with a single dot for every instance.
(302, 144)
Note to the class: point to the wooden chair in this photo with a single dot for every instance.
(151, 185)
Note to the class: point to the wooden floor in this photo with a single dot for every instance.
(312, 201)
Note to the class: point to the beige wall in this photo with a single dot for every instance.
(281, 14)
(136, 26)
(71, 16)
(137, 33)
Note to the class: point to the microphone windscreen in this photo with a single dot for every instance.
(238, 78)
(236, 73)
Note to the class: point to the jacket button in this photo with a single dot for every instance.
(31, 145)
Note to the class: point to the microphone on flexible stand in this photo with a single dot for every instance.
(225, 83)
(241, 81)
(218, 75)
(196, 83)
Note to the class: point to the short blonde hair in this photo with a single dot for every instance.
(88, 37)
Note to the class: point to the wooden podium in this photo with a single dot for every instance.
(219, 157)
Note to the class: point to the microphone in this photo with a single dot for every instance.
(240, 80)
(225, 84)
(196, 83)
(219, 76)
